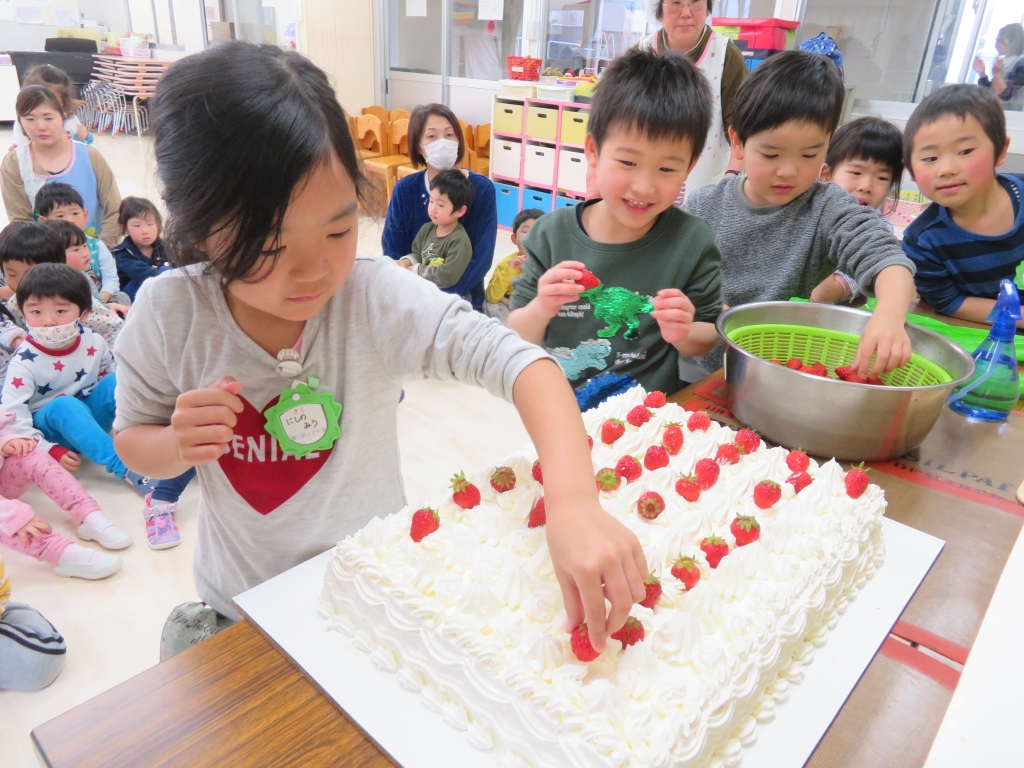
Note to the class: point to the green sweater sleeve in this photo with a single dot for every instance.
(456, 250)
(419, 243)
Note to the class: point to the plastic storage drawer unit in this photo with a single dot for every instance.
(505, 157)
(507, 200)
(574, 125)
(561, 201)
(572, 171)
(542, 123)
(539, 167)
(537, 198)
(508, 118)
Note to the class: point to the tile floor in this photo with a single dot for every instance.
(112, 627)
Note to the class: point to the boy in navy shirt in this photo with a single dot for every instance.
(972, 235)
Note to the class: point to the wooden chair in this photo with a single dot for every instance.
(369, 136)
(468, 139)
(482, 152)
(405, 170)
(398, 114)
(382, 114)
(385, 167)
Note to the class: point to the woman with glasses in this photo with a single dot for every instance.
(1008, 72)
(686, 31)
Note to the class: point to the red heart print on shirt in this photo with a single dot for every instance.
(257, 469)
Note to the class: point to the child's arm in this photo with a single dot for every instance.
(501, 281)
(554, 288)
(109, 282)
(19, 386)
(136, 269)
(109, 196)
(456, 258)
(884, 336)
(977, 310)
(103, 321)
(674, 313)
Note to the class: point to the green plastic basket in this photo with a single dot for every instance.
(831, 348)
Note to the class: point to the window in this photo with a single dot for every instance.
(587, 35)
(480, 47)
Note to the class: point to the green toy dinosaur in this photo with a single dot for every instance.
(617, 307)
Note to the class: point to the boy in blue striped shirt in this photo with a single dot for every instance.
(972, 235)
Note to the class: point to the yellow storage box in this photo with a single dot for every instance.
(574, 125)
(542, 123)
(508, 118)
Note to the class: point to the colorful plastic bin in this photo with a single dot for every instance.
(760, 34)
(507, 201)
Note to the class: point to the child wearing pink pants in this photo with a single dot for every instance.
(23, 532)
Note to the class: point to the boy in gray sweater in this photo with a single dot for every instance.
(780, 230)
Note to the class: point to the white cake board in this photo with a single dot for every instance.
(286, 609)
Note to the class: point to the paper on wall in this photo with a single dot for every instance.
(415, 7)
(65, 17)
(491, 9)
(29, 14)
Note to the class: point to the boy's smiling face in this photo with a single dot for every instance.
(782, 163)
(953, 159)
(638, 177)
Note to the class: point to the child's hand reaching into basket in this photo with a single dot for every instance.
(885, 336)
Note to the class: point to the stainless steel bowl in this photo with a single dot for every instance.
(828, 417)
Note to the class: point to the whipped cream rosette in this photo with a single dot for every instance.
(471, 617)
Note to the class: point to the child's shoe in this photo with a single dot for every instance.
(82, 563)
(140, 483)
(96, 527)
(161, 528)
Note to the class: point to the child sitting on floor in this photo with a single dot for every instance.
(25, 243)
(141, 254)
(76, 249)
(499, 289)
(60, 383)
(442, 249)
(781, 230)
(972, 236)
(587, 284)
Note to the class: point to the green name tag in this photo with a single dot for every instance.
(304, 420)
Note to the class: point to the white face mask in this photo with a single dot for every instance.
(441, 154)
(55, 336)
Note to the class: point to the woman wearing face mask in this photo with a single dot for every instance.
(435, 141)
(686, 31)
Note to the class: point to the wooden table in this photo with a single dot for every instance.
(236, 700)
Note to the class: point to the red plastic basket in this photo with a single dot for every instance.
(524, 68)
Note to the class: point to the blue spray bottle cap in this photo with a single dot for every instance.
(1005, 313)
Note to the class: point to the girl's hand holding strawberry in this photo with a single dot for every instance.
(19, 446)
(204, 419)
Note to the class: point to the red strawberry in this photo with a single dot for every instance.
(629, 468)
(464, 493)
(799, 480)
(672, 439)
(728, 453)
(745, 529)
(688, 487)
(581, 644)
(612, 430)
(424, 522)
(777, 362)
(853, 378)
(843, 371)
(653, 587)
(588, 280)
(656, 457)
(638, 416)
(590, 442)
(687, 571)
(807, 369)
(650, 505)
(538, 515)
(795, 363)
(748, 439)
(608, 479)
(707, 471)
(538, 476)
(820, 369)
(503, 479)
(875, 381)
(714, 548)
(767, 494)
(797, 461)
(698, 422)
(655, 400)
(632, 632)
(856, 481)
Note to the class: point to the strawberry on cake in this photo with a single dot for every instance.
(754, 552)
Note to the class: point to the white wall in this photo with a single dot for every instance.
(338, 36)
(110, 12)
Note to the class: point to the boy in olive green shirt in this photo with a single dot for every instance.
(629, 282)
(441, 250)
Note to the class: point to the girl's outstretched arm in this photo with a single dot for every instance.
(594, 555)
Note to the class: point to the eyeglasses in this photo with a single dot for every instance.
(675, 7)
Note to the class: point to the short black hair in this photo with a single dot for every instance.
(659, 96)
(959, 100)
(661, 8)
(792, 86)
(31, 243)
(70, 233)
(418, 124)
(56, 80)
(456, 186)
(237, 128)
(524, 216)
(868, 138)
(137, 208)
(56, 194)
(31, 97)
(55, 281)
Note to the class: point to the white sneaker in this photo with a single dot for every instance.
(83, 563)
(111, 537)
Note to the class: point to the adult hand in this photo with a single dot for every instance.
(204, 419)
(34, 529)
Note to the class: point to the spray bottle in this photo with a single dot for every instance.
(993, 390)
